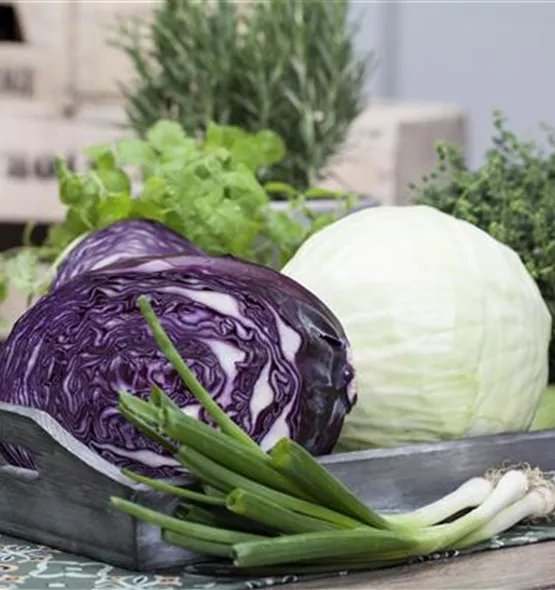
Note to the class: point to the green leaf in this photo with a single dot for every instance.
(166, 134)
(62, 169)
(154, 190)
(58, 237)
(102, 155)
(280, 188)
(252, 150)
(223, 136)
(71, 190)
(146, 210)
(245, 189)
(183, 151)
(23, 271)
(4, 282)
(112, 208)
(82, 219)
(112, 180)
(133, 151)
(322, 193)
(270, 146)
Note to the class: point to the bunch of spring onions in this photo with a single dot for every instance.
(283, 512)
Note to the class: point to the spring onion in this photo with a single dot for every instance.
(273, 515)
(222, 478)
(282, 511)
(167, 347)
(182, 527)
(197, 545)
(199, 515)
(225, 450)
(292, 460)
(213, 492)
(365, 541)
(142, 409)
(222, 518)
(469, 495)
(147, 429)
(174, 490)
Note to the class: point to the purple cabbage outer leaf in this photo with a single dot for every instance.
(270, 352)
(130, 238)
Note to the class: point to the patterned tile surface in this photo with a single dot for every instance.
(26, 566)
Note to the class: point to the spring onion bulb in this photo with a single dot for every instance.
(537, 504)
(469, 495)
(512, 486)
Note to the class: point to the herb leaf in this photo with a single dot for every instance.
(207, 191)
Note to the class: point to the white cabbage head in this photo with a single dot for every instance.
(449, 331)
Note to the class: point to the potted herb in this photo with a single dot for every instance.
(285, 65)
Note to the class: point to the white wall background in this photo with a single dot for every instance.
(479, 55)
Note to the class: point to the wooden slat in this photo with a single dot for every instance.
(36, 66)
(390, 145)
(28, 74)
(529, 567)
(31, 137)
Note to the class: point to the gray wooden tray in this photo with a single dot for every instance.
(65, 503)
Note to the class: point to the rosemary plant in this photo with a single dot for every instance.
(285, 65)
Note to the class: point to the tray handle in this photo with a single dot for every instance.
(45, 439)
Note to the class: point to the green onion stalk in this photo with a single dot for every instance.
(282, 511)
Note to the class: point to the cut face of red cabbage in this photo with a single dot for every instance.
(130, 238)
(271, 354)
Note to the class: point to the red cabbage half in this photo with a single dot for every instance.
(269, 351)
(130, 238)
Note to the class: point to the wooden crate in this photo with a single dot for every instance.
(391, 145)
(35, 63)
(33, 135)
